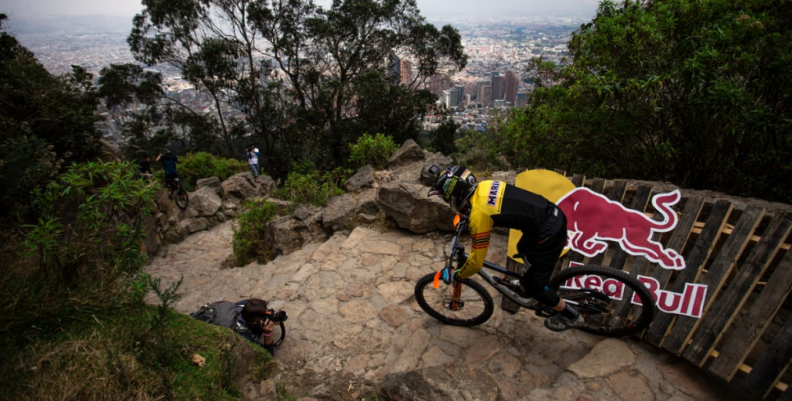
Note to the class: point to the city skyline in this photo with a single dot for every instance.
(429, 8)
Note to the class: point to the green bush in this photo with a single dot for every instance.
(194, 166)
(315, 188)
(477, 152)
(250, 232)
(372, 150)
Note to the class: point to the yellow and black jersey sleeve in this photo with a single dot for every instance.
(485, 202)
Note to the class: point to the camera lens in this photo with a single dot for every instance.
(280, 316)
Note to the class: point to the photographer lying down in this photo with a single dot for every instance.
(250, 318)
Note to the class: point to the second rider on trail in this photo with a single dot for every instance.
(498, 204)
(169, 163)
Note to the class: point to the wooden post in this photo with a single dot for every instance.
(506, 303)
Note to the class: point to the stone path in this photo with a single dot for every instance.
(352, 317)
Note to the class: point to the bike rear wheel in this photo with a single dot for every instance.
(472, 307)
(598, 292)
(181, 198)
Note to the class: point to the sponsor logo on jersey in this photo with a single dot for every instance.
(492, 199)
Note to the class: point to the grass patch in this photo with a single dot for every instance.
(114, 359)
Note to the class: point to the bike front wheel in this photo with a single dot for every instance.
(181, 199)
(599, 293)
(462, 303)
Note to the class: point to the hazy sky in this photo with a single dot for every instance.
(429, 8)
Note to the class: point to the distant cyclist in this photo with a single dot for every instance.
(169, 163)
(543, 226)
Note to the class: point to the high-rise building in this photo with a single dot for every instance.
(511, 83)
(446, 97)
(405, 67)
(485, 96)
(498, 91)
(438, 83)
(394, 70)
(521, 100)
(453, 97)
(460, 93)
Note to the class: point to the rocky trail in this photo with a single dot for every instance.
(355, 328)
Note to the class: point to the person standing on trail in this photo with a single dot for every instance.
(253, 155)
(544, 233)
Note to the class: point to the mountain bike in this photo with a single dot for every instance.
(595, 291)
(179, 194)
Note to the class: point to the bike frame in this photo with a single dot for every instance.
(484, 273)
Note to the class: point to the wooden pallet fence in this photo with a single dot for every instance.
(714, 337)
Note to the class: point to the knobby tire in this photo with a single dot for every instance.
(181, 198)
(606, 323)
(472, 292)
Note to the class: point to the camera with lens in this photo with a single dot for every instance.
(277, 317)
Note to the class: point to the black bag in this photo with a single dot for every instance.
(221, 313)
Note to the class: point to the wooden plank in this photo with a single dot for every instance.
(787, 395)
(640, 200)
(506, 303)
(755, 322)
(598, 186)
(771, 365)
(640, 267)
(723, 312)
(677, 242)
(728, 230)
(694, 262)
(577, 180)
(732, 249)
(559, 171)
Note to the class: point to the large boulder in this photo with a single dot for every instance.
(285, 234)
(339, 210)
(211, 182)
(412, 210)
(408, 172)
(205, 201)
(508, 177)
(408, 153)
(267, 184)
(364, 178)
(439, 383)
(305, 212)
(367, 202)
(193, 225)
(241, 186)
(438, 160)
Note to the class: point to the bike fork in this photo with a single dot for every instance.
(455, 303)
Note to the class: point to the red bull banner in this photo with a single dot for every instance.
(594, 222)
(688, 303)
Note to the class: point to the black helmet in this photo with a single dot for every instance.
(456, 184)
(166, 152)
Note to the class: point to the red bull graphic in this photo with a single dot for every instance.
(593, 219)
(689, 303)
(610, 287)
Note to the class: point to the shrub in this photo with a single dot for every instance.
(250, 231)
(476, 152)
(372, 150)
(194, 166)
(314, 188)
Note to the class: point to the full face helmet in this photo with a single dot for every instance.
(455, 184)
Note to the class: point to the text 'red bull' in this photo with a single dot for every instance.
(592, 219)
(689, 303)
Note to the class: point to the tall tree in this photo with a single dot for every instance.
(300, 72)
(693, 92)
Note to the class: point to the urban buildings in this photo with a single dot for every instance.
(510, 83)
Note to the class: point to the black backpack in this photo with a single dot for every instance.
(221, 313)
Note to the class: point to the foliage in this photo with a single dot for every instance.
(443, 138)
(332, 84)
(250, 232)
(46, 122)
(90, 224)
(684, 91)
(372, 150)
(315, 188)
(477, 152)
(194, 166)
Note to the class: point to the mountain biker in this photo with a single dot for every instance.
(169, 162)
(498, 204)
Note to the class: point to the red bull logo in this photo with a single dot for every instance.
(689, 303)
(610, 287)
(593, 219)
